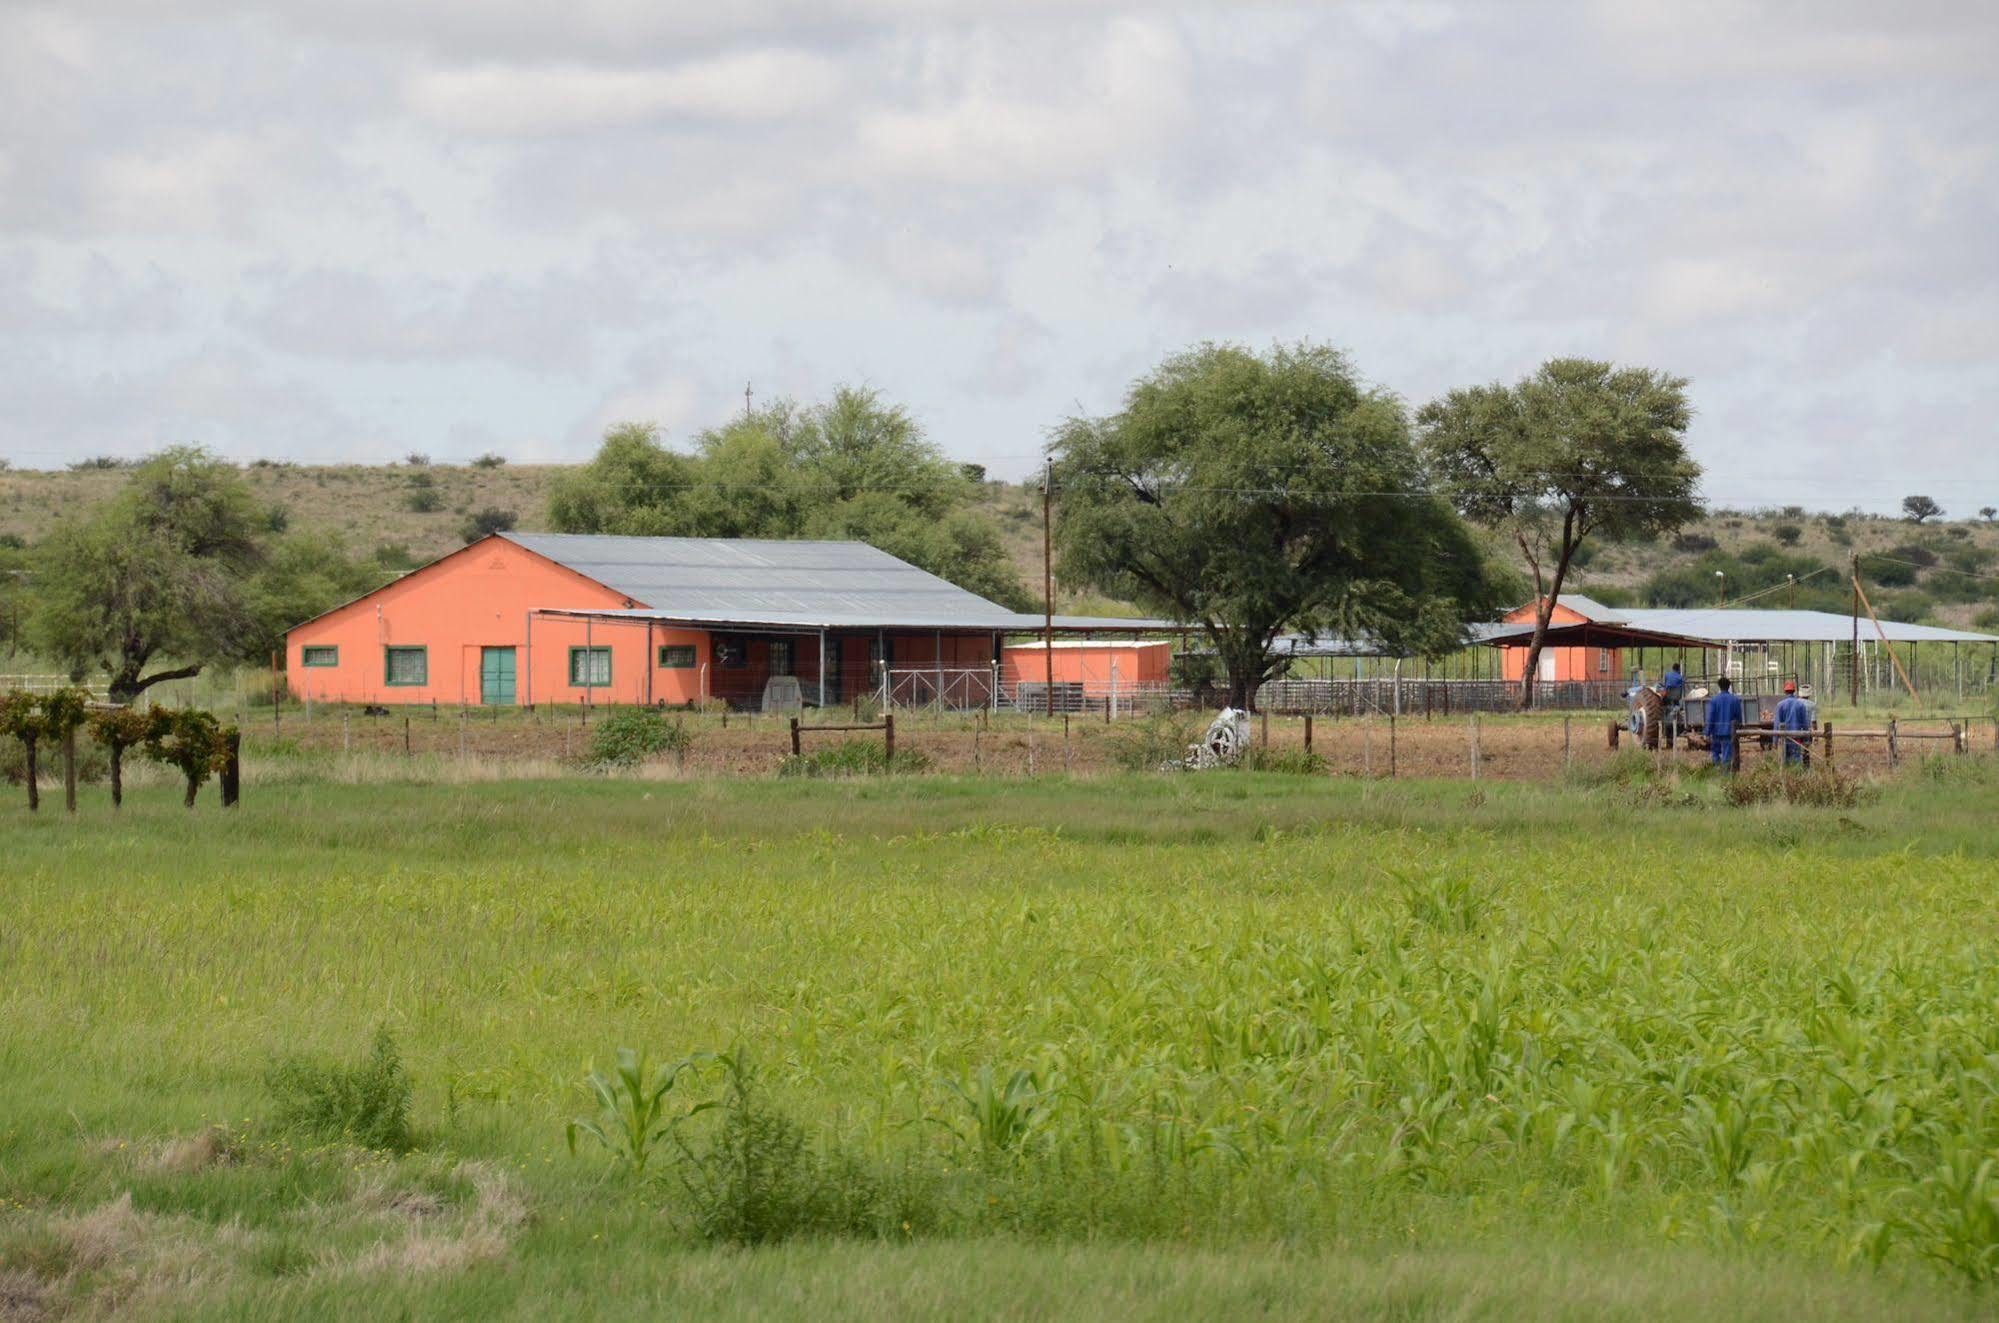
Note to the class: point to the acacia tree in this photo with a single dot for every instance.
(156, 571)
(1920, 508)
(1257, 493)
(1580, 448)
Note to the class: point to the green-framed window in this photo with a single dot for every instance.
(319, 655)
(677, 656)
(590, 668)
(406, 665)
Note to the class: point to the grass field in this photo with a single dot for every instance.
(1137, 1046)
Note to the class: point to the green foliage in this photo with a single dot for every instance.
(852, 758)
(1448, 900)
(301, 575)
(1759, 566)
(1819, 786)
(1149, 744)
(1579, 449)
(1920, 508)
(852, 467)
(364, 1102)
(423, 500)
(1242, 492)
(1284, 761)
(630, 735)
(188, 739)
(999, 1117)
(487, 522)
(489, 461)
(1787, 534)
(632, 1120)
(157, 569)
(756, 1179)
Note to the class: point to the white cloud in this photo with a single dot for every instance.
(572, 98)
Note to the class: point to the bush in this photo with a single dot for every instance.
(93, 764)
(852, 758)
(1293, 762)
(1817, 786)
(1692, 542)
(489, 461)
(1914, 552)
(366, 1102)
(1148, 745)
(487, 522)
(423, 500)
(755, 1178)
(1788, 534)
(631, 735)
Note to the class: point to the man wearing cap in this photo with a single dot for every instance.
(1794, 713)
(1724, 714)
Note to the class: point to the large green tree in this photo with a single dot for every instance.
(156, 572)
(1253, 494)
(855, 466)
(1579, 449)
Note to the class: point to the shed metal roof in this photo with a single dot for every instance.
(1734, 624)
(782, 584)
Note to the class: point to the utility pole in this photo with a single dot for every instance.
(746, 400)
(1048, 581)
(1854, 662)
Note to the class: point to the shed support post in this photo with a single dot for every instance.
(822, 668)
(527, 679)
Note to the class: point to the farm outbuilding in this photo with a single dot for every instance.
(1089, 670)
(526, 618)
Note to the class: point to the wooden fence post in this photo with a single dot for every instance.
(1565, 742)
(1826, 741)
(796, 751)
(1065, 741)
(888, 736)
(1472, 721)
(1367, 748)
(232, 769)
(1308, 732)
(69, 770)
(408, 754)
(1893, 753)
(1391, 746)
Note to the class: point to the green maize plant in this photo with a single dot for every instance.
(631, 1115)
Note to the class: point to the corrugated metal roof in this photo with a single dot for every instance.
(1736, 624)
(787, 584)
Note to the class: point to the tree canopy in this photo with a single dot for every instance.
(1579, 448)
(855, 466)
(1252, 494)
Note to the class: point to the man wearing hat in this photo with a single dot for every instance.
(1794, 713)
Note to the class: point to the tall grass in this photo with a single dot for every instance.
(1211, 1009)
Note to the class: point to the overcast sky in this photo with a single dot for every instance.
(379, 226)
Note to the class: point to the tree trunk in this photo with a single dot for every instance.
(34, 776)
(1544, 611)
(232, 771)
(117, 774)
(69, 771)
(193, 784)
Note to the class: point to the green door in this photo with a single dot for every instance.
(496, 675)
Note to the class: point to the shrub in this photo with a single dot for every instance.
(631, 735)
(487, 522)
(852, 758)
(416, 459)
(1692, 542)
(1148, 745)
(423, 500)
(365, 1102)
(1292, 762)
(755, 1178)
(191, 740)
(1817, 786)
(277, 519)
(1788, 534)
(489, 461)
(1914, 552)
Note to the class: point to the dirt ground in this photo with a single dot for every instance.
(1505, 748)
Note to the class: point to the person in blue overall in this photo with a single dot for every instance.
(1794, 713)
(1724, 714)
(1673, 686)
